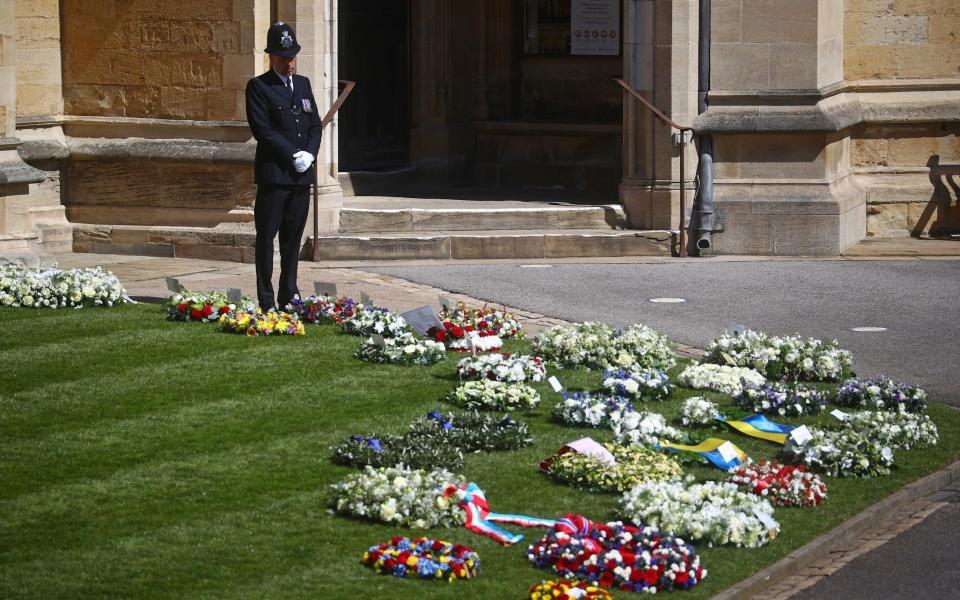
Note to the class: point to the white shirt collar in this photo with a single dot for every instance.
(282, 77)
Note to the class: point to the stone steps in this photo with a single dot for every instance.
(356, 219)
(493, 244)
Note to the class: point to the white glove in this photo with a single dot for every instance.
(302, 161)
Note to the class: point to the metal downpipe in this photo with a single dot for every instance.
(701, 214)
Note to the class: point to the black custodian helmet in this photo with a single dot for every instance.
(281, 40)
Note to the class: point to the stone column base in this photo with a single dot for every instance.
(790, 217)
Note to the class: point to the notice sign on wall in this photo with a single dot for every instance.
(595, 27)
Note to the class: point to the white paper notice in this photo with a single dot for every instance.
(555, 384)
(839, 414)
(233, 295)
(595, 27)
(727, 451)
(471, 346)
(173, 284)
(422, 319)
(591, 448)
(801, 435)
(767, 521)
(325, 288)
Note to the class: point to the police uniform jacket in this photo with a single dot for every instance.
(282, 127)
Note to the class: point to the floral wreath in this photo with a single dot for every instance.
(563, 589)
(455, 336)
(618, 556)
(781, 485)
(423, 558)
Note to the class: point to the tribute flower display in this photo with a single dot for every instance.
(843, 453)
(895, 429)
(698, 411)
(322, 309)
(21, 287)
(399, 496)
(642, 428)
(404, 349)
(487, 394)
(634, 465)
(202, 307)
(618, 556)
(881, 393)
(368, 320)
(781, 485)
(781, 357)
(391, 450)
(786, 400)
(567, 589)
(501, 322)
(591, 409)
(638, 383)
(719, 378)
(711, 512)
(423, 558)
(502, 367)
(593, 345)
(459, 338)
(251, 323)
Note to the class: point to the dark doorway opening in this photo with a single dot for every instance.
(374, 51)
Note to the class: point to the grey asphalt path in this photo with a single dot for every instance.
(916, 300)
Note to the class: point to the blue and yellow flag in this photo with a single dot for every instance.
(710, 449)
(759, 426)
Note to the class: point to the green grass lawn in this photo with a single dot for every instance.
(145, 458)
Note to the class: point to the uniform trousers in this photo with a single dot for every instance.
(279, 209)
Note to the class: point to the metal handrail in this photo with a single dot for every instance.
(682, 251)
(347, 88)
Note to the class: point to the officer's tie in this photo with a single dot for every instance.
(290, 86)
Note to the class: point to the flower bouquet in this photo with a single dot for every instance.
(638, 383)
(423, 558)
(881, 393)
(471, 432)
(502, 323)
(55, 288)
(633, 465)
(842, 453)
(502, 367)
(781, 357)
(719, 378)
(781, 485)
(399, 496)
(487, 394)
(253, 323)
(593, 410)
(698, 412)
(404, 349)
(322, 309)
(614, 555)
(391, 450)
(711, 512)
(456, 337)
(202, 307)
(567, 589)
(895, 429)
(597, 346)
(786, 400)
(641, 428)
(357, 319)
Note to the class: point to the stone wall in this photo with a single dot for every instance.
(902, 39)
(39, 78)
(172, 59)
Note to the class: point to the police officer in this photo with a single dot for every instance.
(282, 114)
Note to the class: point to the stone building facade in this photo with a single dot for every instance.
(123, 121)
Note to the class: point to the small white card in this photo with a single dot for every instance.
(324, 288)
(555, 384)
(378, 340)
(801, 435)
(234, 295)
(764, 518)
(729, 359)
(365, 299)
(174, 285)
(470, 345)
(423, 319)
(727, 451)
(445, 302)
(839, 414)
(736, 328)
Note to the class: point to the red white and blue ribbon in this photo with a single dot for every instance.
(481, 520)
